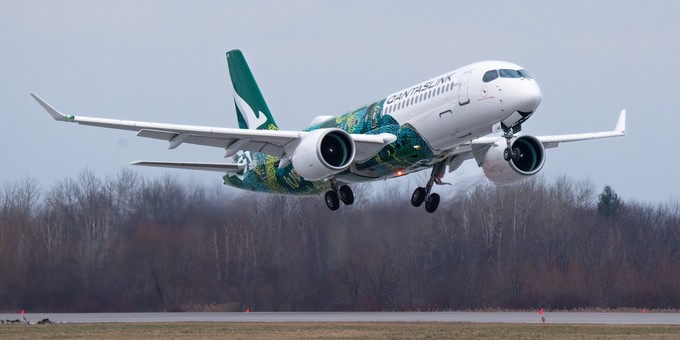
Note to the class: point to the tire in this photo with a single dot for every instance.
(346, 195)
(516, 155)
(418, 197)
(432, 203)
(507, 154)
(332, 200)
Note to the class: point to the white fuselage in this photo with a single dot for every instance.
(460, 106)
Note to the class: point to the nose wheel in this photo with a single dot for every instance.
(336, 195)
(422, 195)
(510, 153)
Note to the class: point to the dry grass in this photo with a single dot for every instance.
(334, 331)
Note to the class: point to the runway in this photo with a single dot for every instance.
(472, 317)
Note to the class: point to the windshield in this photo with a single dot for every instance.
(505, 73)
(525, 74)
(490, 75)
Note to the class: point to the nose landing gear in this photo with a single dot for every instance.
(421, 194)
(511, 153)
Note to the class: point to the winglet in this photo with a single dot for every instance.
(52, 111)
(621, 123)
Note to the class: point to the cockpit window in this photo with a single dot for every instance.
(505, 73)
(490, 75)
(525, 74)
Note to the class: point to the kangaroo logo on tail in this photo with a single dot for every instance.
(251, 109)
(253, 120)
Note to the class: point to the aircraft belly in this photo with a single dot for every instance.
(263, 175)
(445, 128)
(409, 153)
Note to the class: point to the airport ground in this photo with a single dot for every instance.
(401, 330)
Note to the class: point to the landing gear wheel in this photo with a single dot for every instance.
(418, 197)
(432, 203)
(346, 195)
(516, 155)
(507, 154)
(332, 200)
(511, 154)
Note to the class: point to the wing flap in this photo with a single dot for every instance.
(216, 167)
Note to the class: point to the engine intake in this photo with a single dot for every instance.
(528, 163)
(323, 153)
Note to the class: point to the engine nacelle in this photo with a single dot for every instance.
(530, 162)
(323, 153)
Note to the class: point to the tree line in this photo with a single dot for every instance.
(126, 243)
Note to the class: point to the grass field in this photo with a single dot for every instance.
(335, 331)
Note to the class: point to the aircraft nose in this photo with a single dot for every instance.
(530, 98)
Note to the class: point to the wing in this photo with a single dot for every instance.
(554, 141)
(479, 146)
(231, 140)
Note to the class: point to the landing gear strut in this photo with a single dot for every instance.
(421, 194)
(335, 195)
(511, 153)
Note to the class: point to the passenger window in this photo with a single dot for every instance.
(509, 74)
(490, 75)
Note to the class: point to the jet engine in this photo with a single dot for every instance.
(528, 161)
(323, 153)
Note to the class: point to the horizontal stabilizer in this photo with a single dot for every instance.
(217, 167)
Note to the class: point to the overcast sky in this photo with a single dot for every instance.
(165, 61)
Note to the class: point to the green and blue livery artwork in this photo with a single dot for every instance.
(410, 152)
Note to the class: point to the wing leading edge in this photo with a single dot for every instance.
(553, 141)
(477, 147)
(270, 142)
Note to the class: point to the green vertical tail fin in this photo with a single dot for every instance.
(251, 109)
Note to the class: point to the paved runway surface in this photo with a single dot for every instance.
(476, 317)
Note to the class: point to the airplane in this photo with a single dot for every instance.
(473, 112)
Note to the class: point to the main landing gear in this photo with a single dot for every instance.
(511, 153)
(421, 194)
(335, 195)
